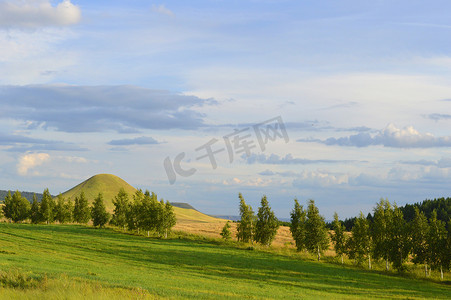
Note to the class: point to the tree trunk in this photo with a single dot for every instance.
(319, 254)
(386, 264)
(148, 233)
(441, 272)
(138, 230)
(165, 233)
(425, 269)
(369, 261)
(342, 259)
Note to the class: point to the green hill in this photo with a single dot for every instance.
(109, 185)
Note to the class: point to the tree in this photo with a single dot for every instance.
(380, 231)
(226, 233)
(399, 245)
(35, 215)
(266, 225)
(360, 242)
(69, 210)
(437, 241)
(134, 211)
(245, 228)
(420, 230)
(168, 219)
(63, 213)
(7, 206)
(297, 225)
(150, 213)
(339, 237)
(121, 205)
(82, 212)
(98, 211)
(47, 207)
(316, 238)
(19, 207)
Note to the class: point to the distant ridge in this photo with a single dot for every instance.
(27, 195)
(183, 205)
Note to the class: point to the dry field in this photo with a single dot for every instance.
(213, 228)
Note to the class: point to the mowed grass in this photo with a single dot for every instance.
(178, 268)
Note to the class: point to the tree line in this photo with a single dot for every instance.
(442, 206)
(389, 237)
(143, 212)
(386, 236)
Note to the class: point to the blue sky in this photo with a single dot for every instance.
(363, 88)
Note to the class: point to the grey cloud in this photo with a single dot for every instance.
(125, 109)
(287, 160)
(391, 136)
(20, 143)
(444, 162)
(267, 172)
(143, 140)
(438, 117)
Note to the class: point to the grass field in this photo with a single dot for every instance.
(109, 265)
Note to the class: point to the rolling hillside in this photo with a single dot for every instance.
(109, 185)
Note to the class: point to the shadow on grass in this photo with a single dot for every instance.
(216, 260)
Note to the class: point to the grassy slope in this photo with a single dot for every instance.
(110, 185)
(182, 268)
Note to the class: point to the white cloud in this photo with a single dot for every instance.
(30, 161)
(161, 9)
(41, 13)
(320, 178)
(390, 136)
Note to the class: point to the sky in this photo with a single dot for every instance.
(343, 102)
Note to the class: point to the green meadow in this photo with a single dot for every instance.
(73, 262)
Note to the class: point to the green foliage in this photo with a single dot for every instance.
(245, 228)
(168, 219)
(7, 206)
(121, 206)
(150, 213)
(47, 207)
(442, 206)
(297, 225)
(359, 244)
(226, 233)
(98, 212)
(382, 223)
(316, 238)
(35, 215)
(437, 241)
(399, 245)
(63, 210)
(419, 228)
(82, 212)
(16, 208)
(266, 225)
(339, 237)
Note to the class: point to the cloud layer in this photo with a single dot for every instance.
(100, 108)
(390, 136)
(286, 160)
(32, 14)
(143, 140)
